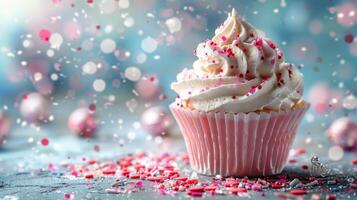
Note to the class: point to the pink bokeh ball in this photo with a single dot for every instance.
(5, 126)
(148, 87)
(343, 132)
(323, 98)
(34, 107)
(83, 122)
(156, 121)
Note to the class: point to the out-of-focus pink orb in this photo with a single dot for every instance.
(323, 98)
(156, 121)
(72, 30)
(83, 122)
(45, 35)
(148, 87)
(343, 132)
(346, 14)
(34, 107)
(5, 126)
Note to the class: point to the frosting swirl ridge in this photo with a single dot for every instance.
(238, 71)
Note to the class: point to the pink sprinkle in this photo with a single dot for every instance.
(259, 42)
(224, 38)
(68, 196)
(45, 35)
(257, 187)
(272, 61)
(195, 194)
(299, 151)
(45, 141)
(139, 184)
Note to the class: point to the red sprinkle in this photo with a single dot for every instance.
(91, 162)
(134, 176)
(89, 176)
(155, 179)
(354, 161)
(305, 167)
(277, 186)
(349, 38)
(330, 197)
(108, 172)
(231, 183)
(196, 189)
(210, 188)
(298, 192)
(237, 190)
(195, 194)
(45, 141)
(181, 178)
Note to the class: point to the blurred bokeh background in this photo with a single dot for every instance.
(118, 57)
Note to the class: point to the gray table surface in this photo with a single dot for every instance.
(24, 173)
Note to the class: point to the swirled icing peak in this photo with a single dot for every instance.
(238, 70)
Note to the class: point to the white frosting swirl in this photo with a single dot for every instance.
(238, 71)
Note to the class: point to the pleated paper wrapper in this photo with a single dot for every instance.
(238, 144)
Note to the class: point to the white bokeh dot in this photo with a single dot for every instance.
(50, 53)
(107, 6)
(56, 40)
(149, 44)
(27, 43)
(37, 76)
(132, 73)
(99, 85)
(54, 77)
(123, 4)
(107, 45)
(173, 24)
(89, 68)
(141, 58)
(129, 22)
(335, 153)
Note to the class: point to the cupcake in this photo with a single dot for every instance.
(238, 108)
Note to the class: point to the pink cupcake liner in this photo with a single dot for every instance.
(238, 144)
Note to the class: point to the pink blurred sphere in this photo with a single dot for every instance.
(323, 98)
(148, 87)
(34, 107)
(343, 132)
(156, 121)
(5, 125)
(82, 122)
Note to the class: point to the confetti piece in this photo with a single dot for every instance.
(45, 35)
(195, 194)
(298, 192)
(45, 141)
(88, 176)
(237, 190)
(196, 189)
(349, 38)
